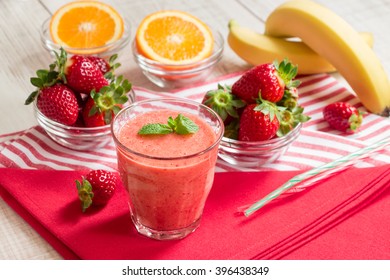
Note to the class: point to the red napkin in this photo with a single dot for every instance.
(346, 216)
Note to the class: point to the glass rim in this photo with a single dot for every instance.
(167, 99)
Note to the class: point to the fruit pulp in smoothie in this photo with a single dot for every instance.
(168, 177)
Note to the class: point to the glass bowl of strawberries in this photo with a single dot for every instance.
(77, 136)
(252, 154)
(76, 99)
(261, 114)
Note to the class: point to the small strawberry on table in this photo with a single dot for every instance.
(343, 116)
(96, 188)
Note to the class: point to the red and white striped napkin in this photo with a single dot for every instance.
(317, 144)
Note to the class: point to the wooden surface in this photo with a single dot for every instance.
(21, 54)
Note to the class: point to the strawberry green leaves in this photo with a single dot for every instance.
(85, 193)
(109, 98)
(287, 72)
(223, 102)
(180, 125)
(48, 77)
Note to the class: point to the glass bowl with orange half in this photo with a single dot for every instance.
(86, 28)
(174, 48)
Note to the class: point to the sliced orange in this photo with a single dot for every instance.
(174, 37)
(85, 25)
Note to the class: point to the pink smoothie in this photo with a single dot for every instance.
(165, 193)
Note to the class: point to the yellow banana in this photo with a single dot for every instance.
(256, 49)
(334, 39)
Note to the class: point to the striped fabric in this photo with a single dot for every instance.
(317, 144)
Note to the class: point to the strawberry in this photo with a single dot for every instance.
(103, 105)
(106, 67)
(101, 63)
(269, 81)
(89, 119)
(258, 122)
(96, 188)
(82, 75)
(224, 103)
(58, 103)
(343, 117)
(54, 100)
(95, 119)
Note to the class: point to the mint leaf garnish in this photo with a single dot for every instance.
(185, 125)
(155, 128)
(172, 123)
(180, 125)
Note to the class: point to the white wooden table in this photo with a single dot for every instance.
(21, 54)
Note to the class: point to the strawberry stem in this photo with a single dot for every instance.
(49, 77)
(355, 121)
(108, 99)
(85, 193)
(269, 108)
(113, 65)
(287, 73)
(223, 102)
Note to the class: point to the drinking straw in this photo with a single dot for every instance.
(307, 179)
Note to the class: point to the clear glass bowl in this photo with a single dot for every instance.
(104, 51)
(256, 154)
(175, 76)
(77, 138)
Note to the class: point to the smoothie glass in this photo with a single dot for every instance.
(167, 177)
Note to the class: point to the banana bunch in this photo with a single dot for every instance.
(328, 43)
(256, 48)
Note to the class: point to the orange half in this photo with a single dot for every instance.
(174, 37)
(85, 25)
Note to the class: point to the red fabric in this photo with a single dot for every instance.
(346, 216)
